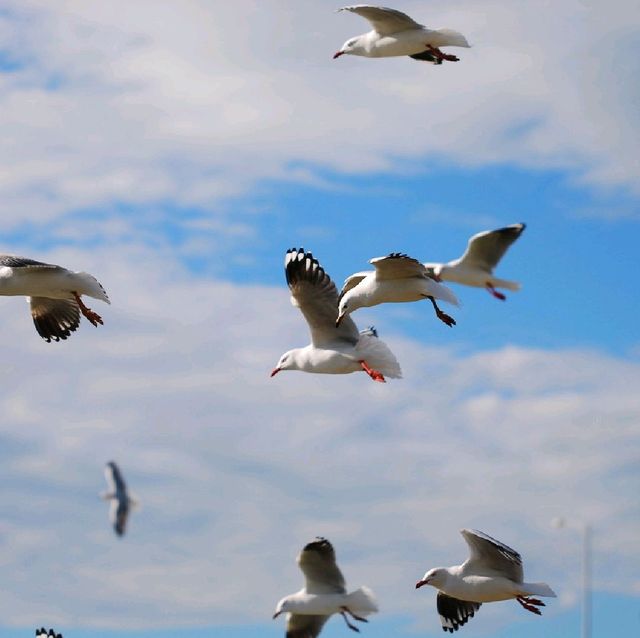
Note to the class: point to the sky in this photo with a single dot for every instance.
(176, 150)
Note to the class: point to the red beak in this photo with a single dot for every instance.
(274, 372)
(338, 54)
(420, 583)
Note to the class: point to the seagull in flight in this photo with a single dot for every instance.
(324, 593)
(492, 572)
(333, 349)
(396, 34)
(118, 496)
(54, 294)
(475, 267)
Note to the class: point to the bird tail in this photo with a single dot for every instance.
(538, 589)
(378, 355)
(362, 601)
(452, 38)
(505, 283)
(440, 291)
(92, 287)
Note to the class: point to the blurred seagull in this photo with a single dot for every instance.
(492, 572)
(333, 349)
(324, 593)
(54, 294)
(396, 278)
(395, 33)
(42, 633)
(121, 501)
(475, 267)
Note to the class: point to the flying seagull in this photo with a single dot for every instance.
(475, 267)
(395, 33)
(492, 572)
(396, 278)
(324, 593)
(42, 633)
(120, 500)
(54, 294)
(333, 349)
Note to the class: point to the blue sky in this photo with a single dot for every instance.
(176, 151)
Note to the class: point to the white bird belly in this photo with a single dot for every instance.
(316, 604)
(52, 284)
(325, 361)
(466, 276)
(400, 291)
(484, 589)
(403, 43)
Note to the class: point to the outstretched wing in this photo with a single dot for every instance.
(453, 612)
(351, 282)
(54, 318)
(317, 561)
(383, 20)
(398, 266)
(317, 297)
(486, 249)
(114, 477)
(487, 556)
(118, 515)
(14, 261)
(303, 626)
(43, 633)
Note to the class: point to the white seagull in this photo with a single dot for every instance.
(54, 294)
(475, 267)
(395, 33)
(492, 572)
(120, 500)
(324, 593)
(42, 633)
(396, 278)
(333, 349)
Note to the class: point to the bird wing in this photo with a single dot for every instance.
(384, 21)
(317, 297)
(352, 282)
(54, 318)
(303, 626)
(486, 249)
(317, 561)
(42, 633)
(118, 514)
(114, 477)
(489, 556)
(398, 266)
(453, 612)
(14, 261)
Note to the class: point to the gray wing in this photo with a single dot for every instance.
(303, 626)
(14, 261)
(352, 281)
(453, 612)
(383, 20)
(398, 266)
(317, 560)
(317, 297)
(114, 477)
(486, 249)
(489, 556)
(54, 318)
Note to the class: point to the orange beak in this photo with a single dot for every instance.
(338, 54)
(274, 372)
(420, 583)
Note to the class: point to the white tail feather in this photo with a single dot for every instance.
(362, 602)
(378, 356)
(505, 283)
(92, 287)
(538, 589)
(443, 292)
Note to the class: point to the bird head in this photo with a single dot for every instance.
(434, 577)
(286, 362)
(353, 46)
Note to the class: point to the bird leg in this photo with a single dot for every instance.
(494, 292)
(374, 374)
(344, 615)
(348, 611)
(443, 316)
(528, 604)
(93, 317)
(440, 55)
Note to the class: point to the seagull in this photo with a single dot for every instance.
(492, 572)
(324, 593)
(396, 278)
(395, 33)
(121, 501)
(475, 267)
(54, 294)
(42, 633)
(333, 349)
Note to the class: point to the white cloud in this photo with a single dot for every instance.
(193, 102)
(236, 470)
